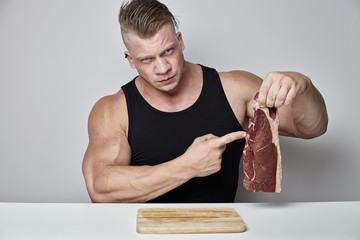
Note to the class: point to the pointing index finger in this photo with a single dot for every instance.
(230, 137)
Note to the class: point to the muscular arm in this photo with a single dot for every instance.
(110, 178)
(106, 166)
(302, 109)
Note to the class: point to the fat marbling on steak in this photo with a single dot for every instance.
(261, 155)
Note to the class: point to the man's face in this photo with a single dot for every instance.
(159, 59)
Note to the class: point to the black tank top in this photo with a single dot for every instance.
(156, 137)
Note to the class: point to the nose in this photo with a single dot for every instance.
(162, 66)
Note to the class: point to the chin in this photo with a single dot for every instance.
(170, 87)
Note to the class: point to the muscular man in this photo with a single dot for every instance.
(175, 133)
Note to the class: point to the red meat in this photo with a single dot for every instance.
(261, 156)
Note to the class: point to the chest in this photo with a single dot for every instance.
(156, 137)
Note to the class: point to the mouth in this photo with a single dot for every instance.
(166, 80)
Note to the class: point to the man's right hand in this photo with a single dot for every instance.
(204, 155)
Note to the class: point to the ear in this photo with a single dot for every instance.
(180, 39)
(129, 58)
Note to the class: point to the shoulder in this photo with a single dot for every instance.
(241, 83)
(240, 80)
(240, 88)
(109, 114)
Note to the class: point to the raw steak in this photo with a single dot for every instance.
(261, 156)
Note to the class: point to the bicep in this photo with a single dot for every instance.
(109, 150)
(101, 156)
(107, 126)
(108, 144)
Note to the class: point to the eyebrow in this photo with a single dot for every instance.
(143, 57)
(170, 46)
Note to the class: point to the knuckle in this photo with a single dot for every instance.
(278, 79)
(290, 99)
(271, 74)
(271, 98)
(226, 139)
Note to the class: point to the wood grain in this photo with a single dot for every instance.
(189, 220)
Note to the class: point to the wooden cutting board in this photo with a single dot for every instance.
(189, 220)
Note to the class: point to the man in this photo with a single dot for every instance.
(176, 132)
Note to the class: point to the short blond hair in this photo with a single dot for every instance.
(144, 17)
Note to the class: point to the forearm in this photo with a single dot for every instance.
(307, 115)
(138, 183)
(110, 182)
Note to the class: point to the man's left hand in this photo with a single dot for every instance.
(281, 88)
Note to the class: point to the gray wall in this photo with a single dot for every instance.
(57, 58)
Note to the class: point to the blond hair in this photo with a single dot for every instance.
(144, 17)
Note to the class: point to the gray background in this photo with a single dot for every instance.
(58, 57)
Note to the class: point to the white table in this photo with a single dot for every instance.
(317, 220)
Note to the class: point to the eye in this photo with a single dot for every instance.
(169, 51)
(145, 60)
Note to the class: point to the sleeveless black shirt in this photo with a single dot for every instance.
(156, 137)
